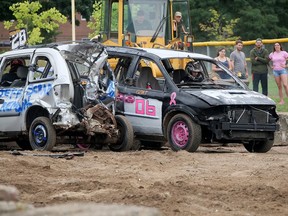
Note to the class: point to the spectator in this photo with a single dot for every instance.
(221, 57)
(238, 60)
(9, 77)
(279, 58)
(259, 57)
(140, 23)
(178, 25)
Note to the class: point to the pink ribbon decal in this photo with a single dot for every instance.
(172, 97)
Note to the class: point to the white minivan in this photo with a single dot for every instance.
(45, 101)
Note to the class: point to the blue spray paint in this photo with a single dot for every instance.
(13, 97)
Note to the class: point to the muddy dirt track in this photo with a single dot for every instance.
(215, 180)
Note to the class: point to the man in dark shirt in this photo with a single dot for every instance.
(259, 57)
(140, 23)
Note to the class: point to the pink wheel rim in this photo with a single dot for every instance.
(180, 133)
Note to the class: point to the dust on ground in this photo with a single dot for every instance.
(217, 180)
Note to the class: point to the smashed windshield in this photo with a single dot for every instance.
(143, 17)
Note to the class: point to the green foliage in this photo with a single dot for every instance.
(218, 27)
(266, 19)
(27, 16)
(273, 93)
(84, 7)
(5, 13)
(94, 23)
(115, 13)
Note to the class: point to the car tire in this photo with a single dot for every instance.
(183, 133)
(259, 146)
(126, 135)
(23, 143)
(42, 134)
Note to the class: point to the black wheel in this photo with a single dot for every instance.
(23, 143)
(126, 135)
(152, 144)
(42, 134)
(259, 146)
(183, 133)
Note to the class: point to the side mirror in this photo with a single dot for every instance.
(32, 67)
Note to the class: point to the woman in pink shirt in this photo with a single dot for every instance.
(279, 58)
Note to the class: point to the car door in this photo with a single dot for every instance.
(141, 96)
(11, 94)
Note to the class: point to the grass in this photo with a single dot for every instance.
(273, 93)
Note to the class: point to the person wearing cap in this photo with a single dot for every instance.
(178, 25)
(259, 57)
(9, 77)
(238, 60)
(140, 23)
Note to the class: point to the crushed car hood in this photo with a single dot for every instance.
(231, 97)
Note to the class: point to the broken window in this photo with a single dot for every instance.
(44, 68)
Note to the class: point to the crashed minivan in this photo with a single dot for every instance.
(176, 96)
(44, 100)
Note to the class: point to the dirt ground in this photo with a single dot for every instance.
(218, 180)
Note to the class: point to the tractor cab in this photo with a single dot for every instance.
(145, 23)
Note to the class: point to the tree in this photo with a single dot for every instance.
(84, 7)
(266, 19)
(94, 23)
(27, 17)
(5, 13)
(218, 28)
(199, 14)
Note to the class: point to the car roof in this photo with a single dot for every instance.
(53, 46)
(161, 53)
(18, 51)
(168, 53)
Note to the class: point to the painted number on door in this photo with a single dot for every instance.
(143, 107)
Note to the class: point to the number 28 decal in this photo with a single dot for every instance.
(143, 107)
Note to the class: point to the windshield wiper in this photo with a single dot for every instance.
(201, 85)
(156, 33)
